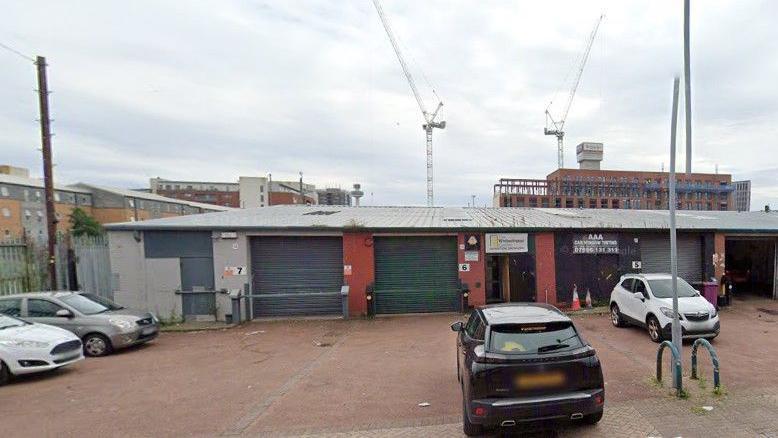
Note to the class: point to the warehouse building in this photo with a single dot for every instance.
(295, 260)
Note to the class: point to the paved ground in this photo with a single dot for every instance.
(366, 378)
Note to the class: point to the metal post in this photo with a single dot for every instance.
(687, 87)
(676, 328)
(48, 174)
(430, 195)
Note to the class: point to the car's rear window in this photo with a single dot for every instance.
(533, 338)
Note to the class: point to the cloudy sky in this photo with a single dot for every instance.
(210, 90)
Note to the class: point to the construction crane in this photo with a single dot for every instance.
(557, 127)
(429, 118)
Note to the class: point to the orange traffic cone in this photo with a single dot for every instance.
(588, 299)
(576, 302)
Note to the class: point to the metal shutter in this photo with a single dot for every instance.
(416, 274)
(296, 275)
(655, 255)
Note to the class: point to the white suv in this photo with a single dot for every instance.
(646, 300)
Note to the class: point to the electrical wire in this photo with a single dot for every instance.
(16, 52)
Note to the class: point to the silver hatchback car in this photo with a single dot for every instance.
(102, 325)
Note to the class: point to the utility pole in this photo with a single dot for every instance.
(473, 200)
(687, 87)
(676, 327)
(302, 192)
(48, 174)
(269, 187)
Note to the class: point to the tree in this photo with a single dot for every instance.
(82, 224)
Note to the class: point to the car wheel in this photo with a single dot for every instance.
(593, 418)
(96, 345)
(5, 374)
(616, 318)
(654, 329)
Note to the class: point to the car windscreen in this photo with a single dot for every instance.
(84, 304)
(102, 300)
(663, 288)
(533, 338)
(9, 321)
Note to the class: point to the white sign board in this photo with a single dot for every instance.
(637, 264)
(464, 267)
(230, 271)
(471, 256)
(506, 242)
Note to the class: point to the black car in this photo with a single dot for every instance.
(525, 364)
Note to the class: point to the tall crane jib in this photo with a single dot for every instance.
(556, 127)
(430, 122)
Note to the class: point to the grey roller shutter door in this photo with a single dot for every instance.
(416, 274)
(655, 255)
(296, 275)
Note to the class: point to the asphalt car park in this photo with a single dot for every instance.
(313, 376)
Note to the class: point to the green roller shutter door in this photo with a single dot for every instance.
(416, 274)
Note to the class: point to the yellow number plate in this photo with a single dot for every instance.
(540, 380)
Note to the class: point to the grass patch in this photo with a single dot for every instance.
(699, 410)
(719, 391)
(683, 394)
(702, 383)
(655, 382)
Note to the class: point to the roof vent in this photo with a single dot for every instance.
(320, 213)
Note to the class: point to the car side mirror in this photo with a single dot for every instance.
(64, 313)
(457, 326)
(639, 296)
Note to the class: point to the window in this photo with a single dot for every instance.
(11, 306)
(592, 203)
(131, 202)
(472, 324)
(84, 304)
(6, 212)
(27, 213)
(544, 202)
(568, 203)
(558, 202)
(57, 197)
(641, 287)
(627, 284)
(533, 338)
(580, 203)
(615, 203)
(4, 190)
(664, 288)
(37, 194)
(41, 308)
(603, 203)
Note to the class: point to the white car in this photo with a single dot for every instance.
(27, 347)
(646, 300)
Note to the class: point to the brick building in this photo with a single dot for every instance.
(23, 207)
(591, 187)
(248, 192)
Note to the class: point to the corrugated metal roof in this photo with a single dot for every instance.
(153, 197)
(37, 183)
(282, 217)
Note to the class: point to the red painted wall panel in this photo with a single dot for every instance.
(358, 253)
(476, 277)
(545, 269)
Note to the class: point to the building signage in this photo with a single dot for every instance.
(471, 256)
(230, 271)
(472, 242)
(464, 267)
(595, 243)
(506, 242)
(346, 269)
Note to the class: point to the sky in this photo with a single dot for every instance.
(212, 90)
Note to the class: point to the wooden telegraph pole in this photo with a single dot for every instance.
(48, 174)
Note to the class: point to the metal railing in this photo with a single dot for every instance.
(676, 363)
(713, 357)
